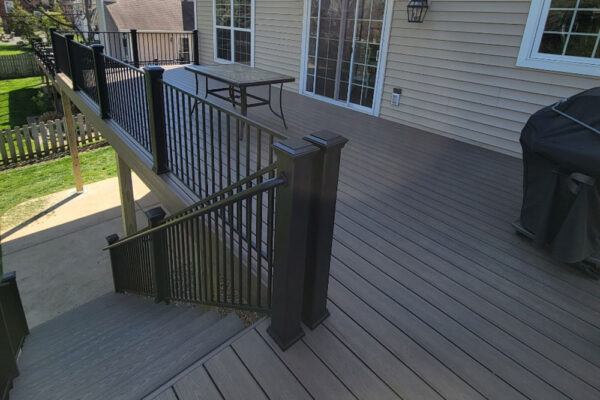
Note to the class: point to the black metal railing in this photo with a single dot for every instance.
(83, 72)
(60, 44)
(13, 330)
(210, 147)
(126, 90)
(141, 48)
(261, 237)
(203, 256)
(45, 54)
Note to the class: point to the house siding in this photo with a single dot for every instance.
(457, 70)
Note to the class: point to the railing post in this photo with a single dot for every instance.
(196, 41)
(156, 117)
(160, 282)
(101, 84)
(52, 32)
(321, 222)
(114, 261)
(8, 363)
(295, 158)
(72, 62)
(134, 48)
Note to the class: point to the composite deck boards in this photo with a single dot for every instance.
(432, 295)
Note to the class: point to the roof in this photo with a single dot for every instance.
(162, 15)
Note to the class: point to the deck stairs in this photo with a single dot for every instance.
(117, 347)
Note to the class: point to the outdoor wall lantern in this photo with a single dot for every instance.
(416, 10)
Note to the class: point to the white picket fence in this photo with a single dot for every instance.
(29, 143)
(18, 66)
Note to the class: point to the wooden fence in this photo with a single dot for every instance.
(18, 66)
(33, 142)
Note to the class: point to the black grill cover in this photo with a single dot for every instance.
(561, 201)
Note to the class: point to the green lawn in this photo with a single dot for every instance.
(30, 182)
(11, 50)
(16, 102)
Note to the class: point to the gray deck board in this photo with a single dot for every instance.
(272, 375)
(138, 347)
(197, 385)
(432, 295)
(232, 378)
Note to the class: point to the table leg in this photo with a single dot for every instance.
(195, 100)
(205, 86)
(281, 105)
(244, 101)
(232, 95)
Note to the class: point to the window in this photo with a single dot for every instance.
(234, 24)
(9, 5)
(562, 35)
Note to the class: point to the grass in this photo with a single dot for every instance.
(31, 182)
(16, 102)
(11, 50)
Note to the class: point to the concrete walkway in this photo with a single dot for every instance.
(57, 253)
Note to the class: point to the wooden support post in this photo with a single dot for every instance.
(127, 200)
(321, 221)
(295, 158)
(72, 140)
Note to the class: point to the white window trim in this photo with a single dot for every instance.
(251, 30)
(381, 66)
(530, 58)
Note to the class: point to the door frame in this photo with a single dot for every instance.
(381, 65)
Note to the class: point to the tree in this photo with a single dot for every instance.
(54, 18)
(21, 22)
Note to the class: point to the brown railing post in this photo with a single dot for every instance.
(134, 48)
(156, 117)
(160, 281)
(101, 85)
(295, 158)
(196, 41)
(72, 62)
(114, 261)
(321, 222)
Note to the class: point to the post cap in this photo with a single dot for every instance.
(155, 215)
(295, 147)
(154, 69)
(97, 47)
(9, 276)
(112, 239)
(326, 139)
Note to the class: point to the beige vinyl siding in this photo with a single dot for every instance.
(204, 9)
(456, 70)
(458, 75)
(278, 37)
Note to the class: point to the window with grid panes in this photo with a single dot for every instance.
(563, 35)
(233, 31)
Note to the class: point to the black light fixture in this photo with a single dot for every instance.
(416, 10)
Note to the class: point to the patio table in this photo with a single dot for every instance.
(238, 79)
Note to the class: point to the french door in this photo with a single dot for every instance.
(343, 51)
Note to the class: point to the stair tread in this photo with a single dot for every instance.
(137, 347)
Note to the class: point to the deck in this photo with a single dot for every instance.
(432, 295)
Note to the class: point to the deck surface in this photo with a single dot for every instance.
(432, 295)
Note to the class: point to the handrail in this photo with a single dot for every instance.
(125, 64)
(224, 191)
(260, 188)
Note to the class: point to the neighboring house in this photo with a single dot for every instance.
(473, 70)
(7, 5)
(150, 15)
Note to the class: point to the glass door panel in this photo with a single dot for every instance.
(343, 49)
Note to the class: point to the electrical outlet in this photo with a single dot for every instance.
(396, 99)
